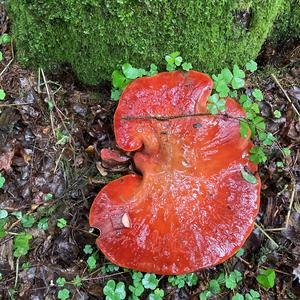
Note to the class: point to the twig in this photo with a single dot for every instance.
(264, 232)
(14, 104)
(286, 95)
(104, 276)
(17, 272)
(59, 112)
(82, 230)
(287, 220)
(12, 59)
(49, 99)
(6, 67)
(276, 270)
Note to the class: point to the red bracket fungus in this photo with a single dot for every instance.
(192, 208)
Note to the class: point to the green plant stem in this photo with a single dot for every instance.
(286, 95)
(263, 231)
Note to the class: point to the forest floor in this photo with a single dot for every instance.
(51, 132)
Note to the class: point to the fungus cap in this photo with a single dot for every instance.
(191, 208)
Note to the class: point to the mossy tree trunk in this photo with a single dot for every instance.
(97, 36)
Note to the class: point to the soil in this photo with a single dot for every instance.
(51, 132)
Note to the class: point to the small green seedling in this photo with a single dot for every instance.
(21, 244)
(2, 93)
(266, 278)
(3, 213)
(61, 223)
(60, 281)
(251, 66)
(180, 281)
(88, 249)
(114, 291)
(27, 221)
(5, 38)
(150, 281)
(157, 295)
(277, 114)
(63, 294)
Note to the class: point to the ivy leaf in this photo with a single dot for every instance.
(131, 72)
(270, 138)
(48, 197)
(255, 108)
(171, 67)
(2, 181)
(253, 295)
(244, 98)
(153, 70)
(149, 281)
(214, 286)
(118, 80)
(226, 75)
(237, 296)
(5, 38)
(2, 93)
(115, 94)
(240, 252)
(233, 94)
(259, 123)
(277, 114)
(88, 249)
(60, 281)
(222, 88)
(174, 54)
(157, 295)
(63, 294)
(178, 61)
(77, 281)
(257, 155)
(212, 108)
(237, 83)
(221, 278)
(257, 94)
(237, 72)
(187, 66)
(3, 213)
(251, 66)
(61, 223)
(169, 59)
(286, 151)
(43, 224)
(21, 244)
(244, 129)
(113, 291)
(205, 295)
(28, 221)
(191, 279)
(233, 279)
(91, 262)
(267, 278)
(248, 176)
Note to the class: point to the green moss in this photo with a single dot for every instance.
(287, 24)
(95, 37)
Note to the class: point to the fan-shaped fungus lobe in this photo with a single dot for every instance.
(192, 208)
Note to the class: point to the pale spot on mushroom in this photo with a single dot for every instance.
(126, 221)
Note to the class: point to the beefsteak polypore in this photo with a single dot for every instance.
(191, 208)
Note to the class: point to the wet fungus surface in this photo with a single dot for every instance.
(191, 208)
